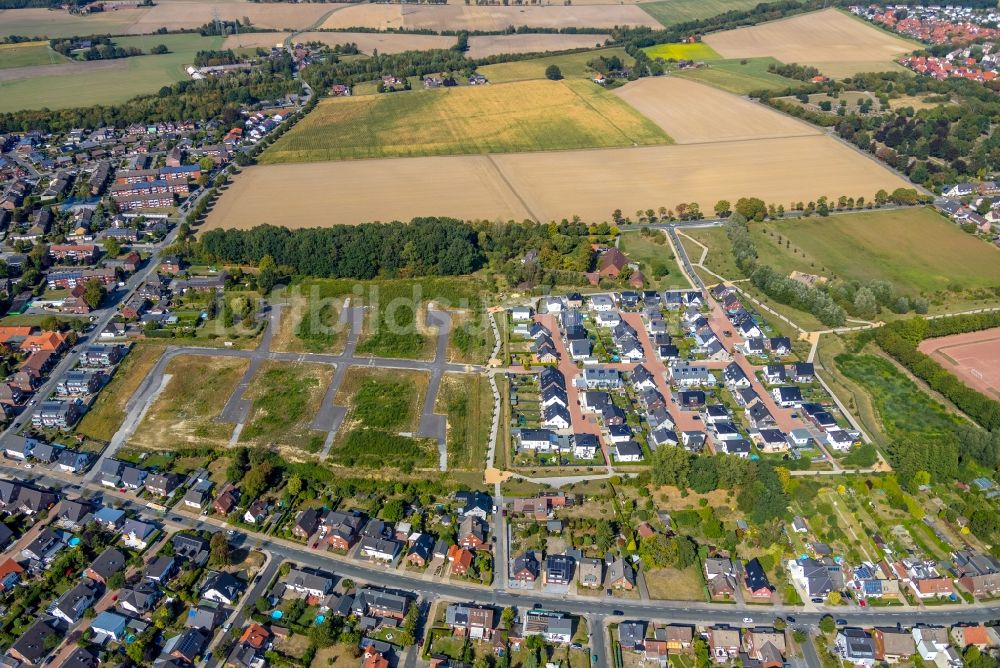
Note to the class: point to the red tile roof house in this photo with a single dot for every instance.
(611, 263)
(461, 560)
(932, 587)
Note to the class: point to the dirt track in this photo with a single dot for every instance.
(694, 113)
(548, 185)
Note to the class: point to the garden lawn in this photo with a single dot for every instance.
(917, 250)
(515, 117)
(739, 75)
(903, 407)
(286, 397)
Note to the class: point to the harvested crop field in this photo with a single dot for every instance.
(693, 113)
(177, 14)
(37, 22)
(974, 357)
(482, 46)
(484, 17)
(523, 116)
(252, 40)
(548, 185)
(836, 43)
(334, 193)
(385, 42)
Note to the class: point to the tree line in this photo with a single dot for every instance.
(423, 247)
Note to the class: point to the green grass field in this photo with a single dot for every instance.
(572, 65)
(523, 116)
(29, 54)
(110, 82)
(739, 75)
(671, 12)
(697, 51)
(903, 408)
(917, 250)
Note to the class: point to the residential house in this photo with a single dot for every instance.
(621, 575)
(222, 588)
(163, 484)
(473, 621)
(35, 643)
(724, 643)
(892, 644)
(855, 646)
(590, 573)
(525, 568)
(756, 581)
(307, 523)
(472, 532)
(136, 534)
(554, 627)
(309, 582)
(71, 605)
(106, 565)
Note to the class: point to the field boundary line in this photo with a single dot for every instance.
(586, 103)
(511, 188)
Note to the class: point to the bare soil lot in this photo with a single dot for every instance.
(548, 185)
(838, 44)
(694, 113)
(491, 45)
(386, 42)
(973, 357)
(484, 17)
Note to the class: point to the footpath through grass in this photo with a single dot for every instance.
(515, 117)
